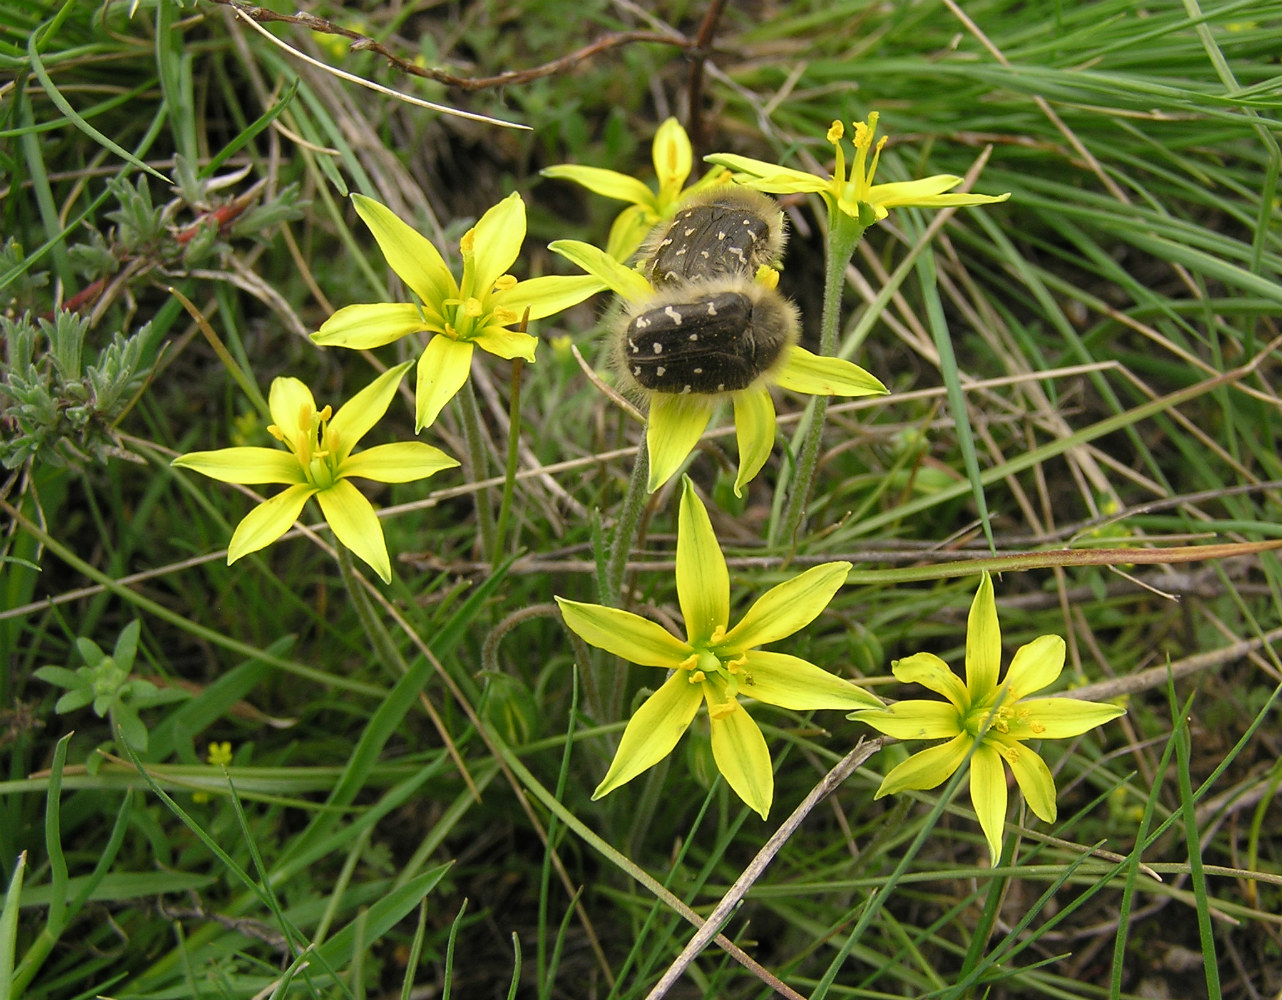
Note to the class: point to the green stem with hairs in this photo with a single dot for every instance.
(513, 455)
(375, 630)
(610, 583)
(844, 233)
(477, 458)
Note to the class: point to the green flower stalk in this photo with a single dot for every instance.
(677, 420)
(320, 463)
(854, 203)
(987, 719)
(673, 160)
(477, 310)
(716, 665)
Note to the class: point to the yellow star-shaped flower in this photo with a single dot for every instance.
(987, 719)
(476, 311)
(673, 160)
(320, 463)
(852, 193)
(715, 664)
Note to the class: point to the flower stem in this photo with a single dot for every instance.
(513, 453)
(625, 530)
(843, 235)
(477, 458)
(380, 639)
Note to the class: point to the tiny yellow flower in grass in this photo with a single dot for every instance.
(992, 717)
(852, 193)
(717, 665)
(320, 463)
(219, 754)
(678, 419)
(478, 311)
(673, 159)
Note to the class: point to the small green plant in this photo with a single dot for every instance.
(55, 407)
(105, 683)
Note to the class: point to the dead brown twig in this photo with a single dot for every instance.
(362, 43)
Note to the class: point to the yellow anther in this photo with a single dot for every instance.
(767, 276)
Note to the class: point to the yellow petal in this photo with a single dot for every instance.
(1034, 779)
(268, 521)
(673, 157)
(754, 425)
(816, 375)
(628, 636)
(356, 526)
(703, 583)
(1034, 666)
(547, 295)
(411, 255)
(291, 405)
(1060, 718)
(355, 417)
(988, 796)
(244, 465)
(362, 327)
(504, 343)
(931, 672)
(742, 756)
(675, 424)
(927, 768)
(983, 643)
(927, 192)
(442, 370)
(628, 231)
(791, 682)
(401, 462)
(915, 720)
(496, 241)
(607, 183)
(765, 176)
(788, 606)
(619, 278)
(653, 731)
